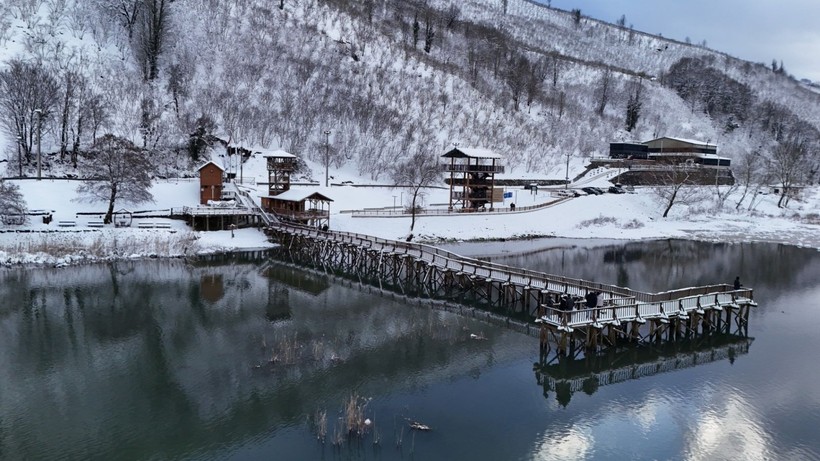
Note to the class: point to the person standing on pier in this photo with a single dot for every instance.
(737, 283)
(592, 299)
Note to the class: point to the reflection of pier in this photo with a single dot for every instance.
(566, 375)
(430, 272)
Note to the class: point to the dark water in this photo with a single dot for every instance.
(236, 358)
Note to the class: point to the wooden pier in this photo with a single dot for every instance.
(429, 272)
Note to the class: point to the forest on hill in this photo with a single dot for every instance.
(387, 79)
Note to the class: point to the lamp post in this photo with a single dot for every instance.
(566, 184)
(327, 156)
(717, 166)
(401, 199)
(394, 205)
(39, 113)
(19, 156)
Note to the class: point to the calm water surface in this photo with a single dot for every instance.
(238, 358)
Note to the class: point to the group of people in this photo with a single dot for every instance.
(568, 302)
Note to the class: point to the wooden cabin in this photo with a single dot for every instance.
(210, 182)
(472, 178)
(305, 207)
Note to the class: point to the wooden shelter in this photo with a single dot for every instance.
(210, 182)
(472, 178)
(305, 207)
(123, 218)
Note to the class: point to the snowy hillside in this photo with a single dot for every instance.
(386, 78)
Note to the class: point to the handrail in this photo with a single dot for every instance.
(381, 213)
(668, 301)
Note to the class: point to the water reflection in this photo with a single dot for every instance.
(135, 360)
(730, 425)
(565, 375)
(232, 359)
(669, 264)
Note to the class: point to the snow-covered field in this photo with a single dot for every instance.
(631, 216)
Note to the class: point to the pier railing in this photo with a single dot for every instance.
(618, 311)
(652, 303)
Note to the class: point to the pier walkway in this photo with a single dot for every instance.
(426, 271)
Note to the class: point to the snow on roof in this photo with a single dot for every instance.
(688, 141)
(211, 162)
(277, 154)
(462, 152)
(298, 195)
(715, 156)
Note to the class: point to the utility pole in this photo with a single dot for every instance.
(327, 156)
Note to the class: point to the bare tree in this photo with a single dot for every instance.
(633, 105)
(71, 83)
(675, 186)
(749, 172)
(116, 170)
(603, 91)
(517, 73)
(429, 29)
(788, 162)
(28, 97)
(152, 33)
(11, 200)
(419, 171)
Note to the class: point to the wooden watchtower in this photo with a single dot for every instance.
(280, 166)
(305, 207)
(472, 178)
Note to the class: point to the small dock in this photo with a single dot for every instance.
(424, 271)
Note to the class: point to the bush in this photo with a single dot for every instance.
(599, 221)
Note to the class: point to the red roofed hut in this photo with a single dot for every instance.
(210, 182)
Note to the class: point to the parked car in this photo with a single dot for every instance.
(615, 190)
(590, 191)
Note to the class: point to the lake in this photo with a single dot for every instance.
(247, 358)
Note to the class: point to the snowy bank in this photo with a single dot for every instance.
(632, 216)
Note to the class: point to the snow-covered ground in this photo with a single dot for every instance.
(631, 216)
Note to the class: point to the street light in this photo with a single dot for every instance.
(566, 184)
(394, 205)
(39, 113)
(327, 156)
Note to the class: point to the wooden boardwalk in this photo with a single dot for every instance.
(426, 271)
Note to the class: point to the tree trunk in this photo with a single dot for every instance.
(110, 213)
(64, 122)
(413, 212)
(75, 148)
(671, 202)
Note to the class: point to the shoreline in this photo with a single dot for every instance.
(189, 244)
